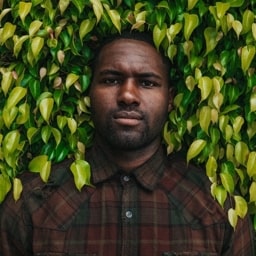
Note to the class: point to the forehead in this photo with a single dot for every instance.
(130, 52)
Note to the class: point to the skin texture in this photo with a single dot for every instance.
(130, 100)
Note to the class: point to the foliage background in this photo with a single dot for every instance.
(46, 47)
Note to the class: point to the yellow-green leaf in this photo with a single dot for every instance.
(241, 207)
(23, 116)
(71, 79)
(37, 44)
(232, 217)
(24, 9)
(195, 148)
(247, 55)
(211, 166)
(97, 8)
(82, 173)
(9, 115)
(5, 186)
(34, 27)
(72, 125)
(191, 22)
(251, 164)
(18, 44)
(221, 194)
(46, 106)
(252, 192)
(211, 39)
(241, 152)
(227, 181)
(11, 141)
(221, 9)
(57, 135)
(85, 27)
(16, 95)
(205, 85)
(17, 188)
(40, 164)
(253, 102)
(205, 118)
(191, 4)
(238, 27)
(63, 5)
(115, 17)
(159, 34)
(6, 82)
(31, 132)
(8, 32)
(248, 19)
(254, 30)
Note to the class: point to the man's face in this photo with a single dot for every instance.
(129, 95)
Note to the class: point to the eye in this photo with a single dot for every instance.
(148, 83)
(111, 81)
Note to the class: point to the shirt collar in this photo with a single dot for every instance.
(148, 174)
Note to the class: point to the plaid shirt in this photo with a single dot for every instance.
(162, 208)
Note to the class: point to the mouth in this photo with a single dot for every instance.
(127, 118)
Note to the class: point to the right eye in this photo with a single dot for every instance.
(111, 81)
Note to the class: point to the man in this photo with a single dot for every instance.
(143, 202)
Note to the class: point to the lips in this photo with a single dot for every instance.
(128, 118)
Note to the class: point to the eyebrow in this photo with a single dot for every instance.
(139, 75)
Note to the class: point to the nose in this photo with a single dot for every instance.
(128, 93)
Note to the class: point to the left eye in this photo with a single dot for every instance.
(147, 83)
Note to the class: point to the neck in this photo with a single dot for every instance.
(128, 160)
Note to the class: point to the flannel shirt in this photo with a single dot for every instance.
(163, 207)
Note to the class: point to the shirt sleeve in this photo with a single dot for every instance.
(15, 232)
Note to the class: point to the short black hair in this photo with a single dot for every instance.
(134, 35)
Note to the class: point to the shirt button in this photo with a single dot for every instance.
(128, 214)
(126, 178)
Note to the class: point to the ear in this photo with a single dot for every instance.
(171, 97)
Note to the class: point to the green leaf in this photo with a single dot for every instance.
(211, 39)
(195, 148)
(82, 173)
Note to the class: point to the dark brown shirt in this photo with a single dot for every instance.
(164, 207)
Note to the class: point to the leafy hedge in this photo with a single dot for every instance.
(46, 47)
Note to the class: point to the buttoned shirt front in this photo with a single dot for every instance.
(163, 207)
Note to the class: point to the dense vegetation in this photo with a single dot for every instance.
(46, 47)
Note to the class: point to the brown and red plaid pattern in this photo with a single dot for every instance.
(162, 208)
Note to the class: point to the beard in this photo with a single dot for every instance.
(127, 137)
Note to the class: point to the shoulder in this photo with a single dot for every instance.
(189, 189)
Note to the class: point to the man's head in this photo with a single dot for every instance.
(130, 94)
